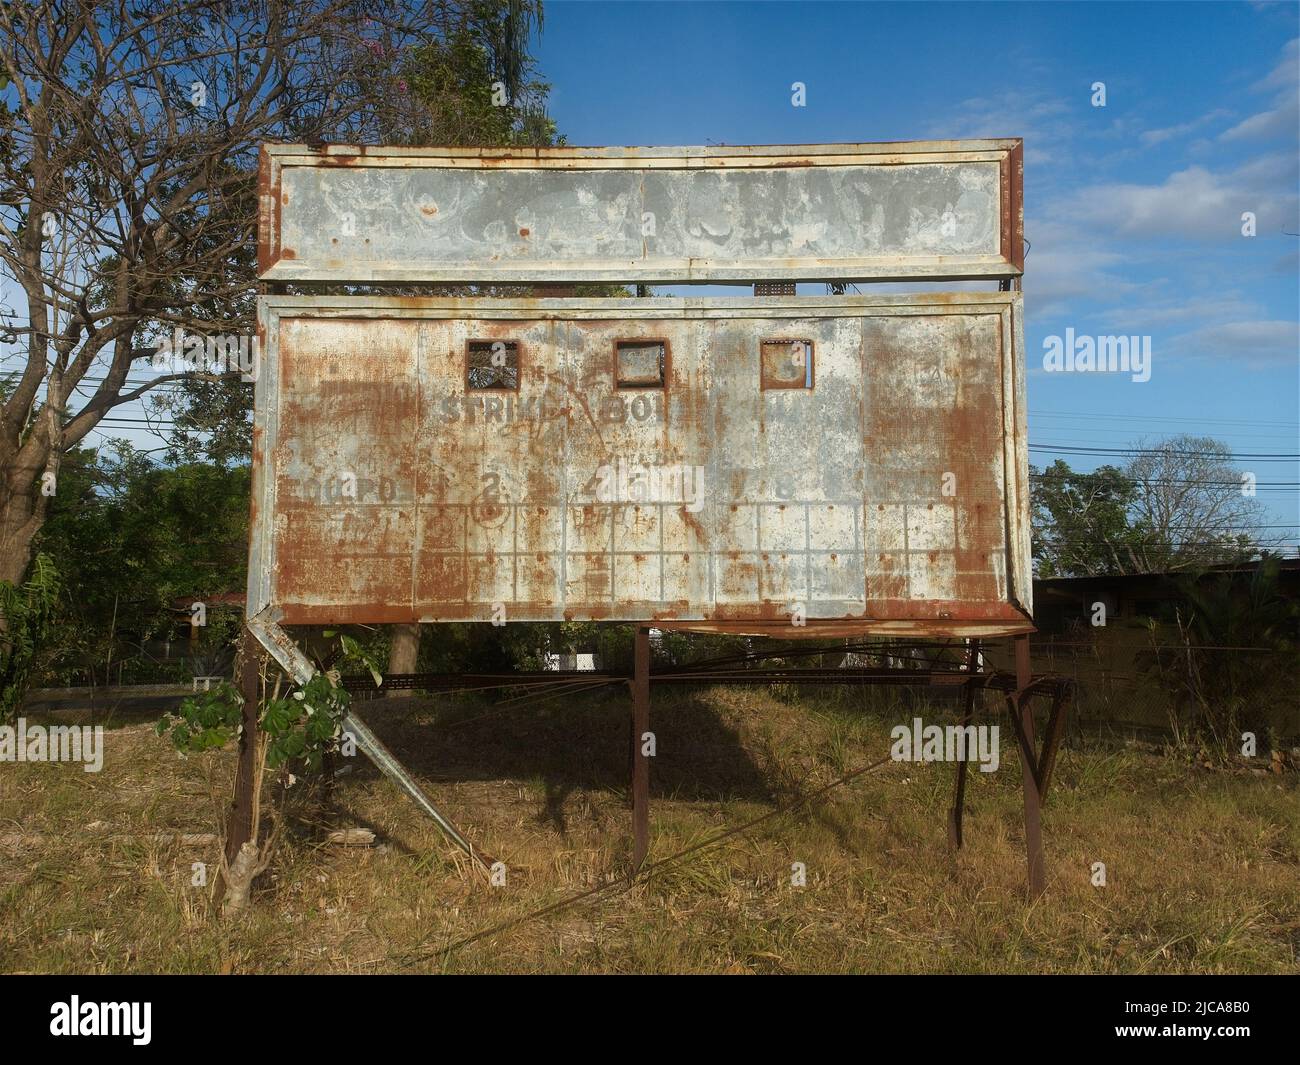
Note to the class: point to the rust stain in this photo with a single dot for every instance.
(420, 261)
(268, 212)
(461, 499)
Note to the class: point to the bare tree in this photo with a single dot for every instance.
(1193, 507)
(128, 185)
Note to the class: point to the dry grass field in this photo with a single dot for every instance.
(1203, 866)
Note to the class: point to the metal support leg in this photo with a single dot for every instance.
(1029, 783)
(640, 763)
(1052, 740)
(968, 710)
(239, 820)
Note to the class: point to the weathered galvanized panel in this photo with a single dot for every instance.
(877, 489)
(842, 212)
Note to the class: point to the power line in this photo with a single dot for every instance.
(1167, 481)
(1144, 418)
(1131, 452)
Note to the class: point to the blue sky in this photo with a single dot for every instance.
(1133, 210)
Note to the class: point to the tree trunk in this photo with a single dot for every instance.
(19, 524)
(239, 881)
(240, 827)
(404, 654)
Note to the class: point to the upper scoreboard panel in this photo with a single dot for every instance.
(941, 210)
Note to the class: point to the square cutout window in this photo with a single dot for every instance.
(640, 363)
(493, 366)
(786, 363)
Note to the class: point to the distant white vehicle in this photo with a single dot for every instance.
(585, 663)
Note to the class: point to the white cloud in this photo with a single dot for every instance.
(1156, 314)
(1257, 341)
(1281, 121)
(1066, 263)
(1036, 118)
(1283, 118)
(1195, 203)
(1286, 75)
(1159, 136)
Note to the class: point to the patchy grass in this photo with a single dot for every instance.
(1203, 867)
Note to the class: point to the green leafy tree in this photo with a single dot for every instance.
(26, 613)
(1176, 505)
(140, 542)
(1081, 521)
(294, 730)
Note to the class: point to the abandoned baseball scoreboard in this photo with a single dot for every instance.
(853, 463)
(792, 465)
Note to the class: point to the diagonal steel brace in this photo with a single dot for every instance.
(280, 646)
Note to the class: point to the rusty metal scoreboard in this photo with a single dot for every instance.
(780, 464)
(810, 465)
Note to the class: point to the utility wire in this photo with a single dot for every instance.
(626, 881)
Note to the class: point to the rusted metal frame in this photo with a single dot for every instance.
(1018, 689)
(657, 308)
(724, 156)
(665, 371)
(1043, 761)
(1016, 164)
(1023, 719)
(1012, 206)
(640, 761)
(469, 358)
(533, 679)
(996, 681)
(1024, 743)
(1015, 461)
(1008, 617)
(281, 647)
(968, 710)
(284, 263)
(268, 209)
(1052, 736)
(809, 379)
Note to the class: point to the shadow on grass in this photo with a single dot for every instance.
(569, 744)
